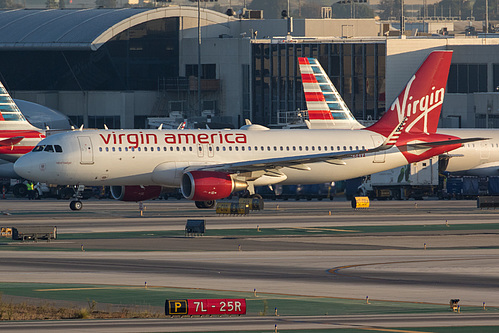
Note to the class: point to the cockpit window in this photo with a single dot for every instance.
(39, 148)
(58, 149)
(49, 148)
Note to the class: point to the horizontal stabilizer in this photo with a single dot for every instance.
(425, 145)
(11, 141)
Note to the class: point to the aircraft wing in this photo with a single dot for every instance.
(11, 141)
(294, 162)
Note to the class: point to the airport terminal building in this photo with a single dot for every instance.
(121, 66)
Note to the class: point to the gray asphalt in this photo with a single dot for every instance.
(393, 266)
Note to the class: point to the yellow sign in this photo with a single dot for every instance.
(177, 307)
(5, 232)
(360, 202)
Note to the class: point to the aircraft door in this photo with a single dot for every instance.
(379, 157)
(200, 150)
(207, 149)
(86, 152)
(211, 151)
(484, 151)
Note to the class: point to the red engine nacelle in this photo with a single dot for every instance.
(209, 185)
(135, 193)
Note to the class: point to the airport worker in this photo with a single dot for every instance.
(31, 190)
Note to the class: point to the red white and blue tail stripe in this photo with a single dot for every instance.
(326, 108)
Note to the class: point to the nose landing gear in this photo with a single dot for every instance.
(76, 203)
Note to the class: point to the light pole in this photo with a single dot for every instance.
(199, 59)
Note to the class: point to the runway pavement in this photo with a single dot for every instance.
(459, 261)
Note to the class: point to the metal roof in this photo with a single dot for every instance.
(83, 29)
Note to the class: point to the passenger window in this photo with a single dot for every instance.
(107, 148)
(223, 148)
(178, 148)
(218, 148)
(164, 148)
(344, 147)
(313, 148)
(338, 148)
(351, 148)
(126, 148)
(242, 148)
(190, 148)
(319, 148)
(183, 148)
(282, 148)
(294, 148)
(287, 148)
(299, 148)
(268, 148)
(145, 148)
(58, 149)
(261, 148)
(306, 148)
(119, 148)
(237, 148)
(114, 149)
(100, 148)
(230, 148)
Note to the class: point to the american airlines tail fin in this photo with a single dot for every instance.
(326, 108)
(419, 104)
(11, 117)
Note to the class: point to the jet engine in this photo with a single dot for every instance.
(135, 193)
(209, 185)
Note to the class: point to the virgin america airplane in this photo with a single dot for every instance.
(208, 165)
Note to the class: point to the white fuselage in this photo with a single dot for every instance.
(159, 157)
(479, 158)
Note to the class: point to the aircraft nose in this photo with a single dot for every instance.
(28, 167)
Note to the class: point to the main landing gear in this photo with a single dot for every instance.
(76, 203)
(205, 204)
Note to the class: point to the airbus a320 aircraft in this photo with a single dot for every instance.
(473, 158)
(211, 164)
(17, 135)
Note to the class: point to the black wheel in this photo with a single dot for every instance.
(75, 205)
(20, 190)
(205, 204)
(256, 196)
(210, 203)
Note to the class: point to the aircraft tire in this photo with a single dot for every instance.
(205, 204)
(75, 205)
(20, 190)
